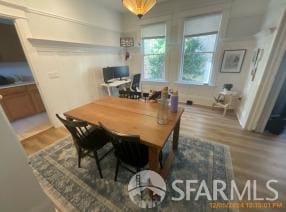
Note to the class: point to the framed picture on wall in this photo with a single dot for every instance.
(255, 56)
(232, 61)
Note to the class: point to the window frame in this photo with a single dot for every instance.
(143, 59)
(180, 80)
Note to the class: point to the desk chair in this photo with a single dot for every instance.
(133, 92)
(87, 139)
(135, 85)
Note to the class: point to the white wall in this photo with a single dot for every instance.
(79, 77)
(68, 72)
(20, 190)
(251, 87)
(241, 20)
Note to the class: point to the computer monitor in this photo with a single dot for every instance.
(108, 74)
(121, 71)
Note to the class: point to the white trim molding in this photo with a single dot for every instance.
(47, 45)
(52, 15)
(11, 11)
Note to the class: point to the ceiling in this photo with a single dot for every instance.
(117, 4)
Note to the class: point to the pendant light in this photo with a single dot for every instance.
(139, 7)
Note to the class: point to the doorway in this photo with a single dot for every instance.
(21, 100)
(277, 121)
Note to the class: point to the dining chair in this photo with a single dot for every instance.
(87, 140)
(128, 150)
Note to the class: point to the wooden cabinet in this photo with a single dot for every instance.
(21, 101)
(36, 98)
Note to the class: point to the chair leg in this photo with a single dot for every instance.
(97, 163)
(78, 158)
(78, 161)
(117, 169)
(225, 110)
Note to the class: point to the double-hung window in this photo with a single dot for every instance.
(154, 51)
(199, 45)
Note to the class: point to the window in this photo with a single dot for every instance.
(200, 35)
(154, 49)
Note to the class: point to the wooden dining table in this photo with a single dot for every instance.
(135, 117)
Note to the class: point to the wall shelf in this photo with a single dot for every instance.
(48, 43)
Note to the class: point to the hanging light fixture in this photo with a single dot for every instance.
(139, 7)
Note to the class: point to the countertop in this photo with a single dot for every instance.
(17, 84)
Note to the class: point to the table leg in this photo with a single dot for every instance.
(176, 135)
(109, 92)
(154, 159)
(154, 155)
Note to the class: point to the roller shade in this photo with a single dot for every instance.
(202, 24)
(155, 30)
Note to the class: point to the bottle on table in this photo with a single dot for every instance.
(174, 102)
(162, 117)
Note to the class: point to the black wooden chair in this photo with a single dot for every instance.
(128, 150)
(87, 139)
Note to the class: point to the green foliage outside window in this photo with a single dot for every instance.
(154, 58)
(198, 52)
(194, 61)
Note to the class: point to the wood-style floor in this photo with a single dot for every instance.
(44, 139)
(254, 156)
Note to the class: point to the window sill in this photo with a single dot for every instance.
(154, 81)
(194, 83)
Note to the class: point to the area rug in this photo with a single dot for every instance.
(81, 189)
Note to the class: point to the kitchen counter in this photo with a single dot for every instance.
(17, 84)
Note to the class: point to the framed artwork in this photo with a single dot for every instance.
(253, 73)
(257, 57)
(260, 54)
(127, 42)
(232, 61)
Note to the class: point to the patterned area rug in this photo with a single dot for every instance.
(81, 189)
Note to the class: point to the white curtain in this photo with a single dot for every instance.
(202, 24)
(155, 30)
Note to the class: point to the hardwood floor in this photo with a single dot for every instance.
(254, 156)
(44, 139)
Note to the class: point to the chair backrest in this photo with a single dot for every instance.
(136, 82)
(126, 146)
(78, 129)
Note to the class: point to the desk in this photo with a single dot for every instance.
(135, 118)
(114, 84)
